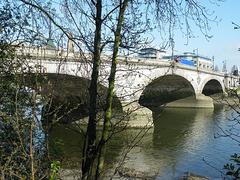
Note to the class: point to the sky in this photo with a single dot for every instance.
(225, 41)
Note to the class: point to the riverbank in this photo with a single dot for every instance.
(130, 173)
(192, 176)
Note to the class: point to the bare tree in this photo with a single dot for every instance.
(101, 27)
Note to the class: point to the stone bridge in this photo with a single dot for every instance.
(157, 81)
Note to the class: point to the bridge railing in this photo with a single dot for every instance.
(56, 54)
(50, 54)
(46, 53)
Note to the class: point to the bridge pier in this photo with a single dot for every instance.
(198, 101)
(137, 116)
(132, 115)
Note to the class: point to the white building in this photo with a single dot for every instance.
(151, 53)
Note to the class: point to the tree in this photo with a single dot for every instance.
(110, 93)
(23, 148)
(103, 27)
(232, 168)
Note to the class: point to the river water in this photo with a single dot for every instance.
(182, 140)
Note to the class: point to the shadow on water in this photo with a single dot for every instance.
(67, 142)
(178, 144)
(171, 125)
(181, 138)
(66, 145)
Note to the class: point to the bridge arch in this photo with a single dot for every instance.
(212, 86)
(165, 89)
(68, 96)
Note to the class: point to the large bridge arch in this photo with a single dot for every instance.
(141, 78)
(165, 89)
(212, 86)
(68, 95)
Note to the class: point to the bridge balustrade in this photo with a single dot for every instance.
(45, 53)
(49, 54)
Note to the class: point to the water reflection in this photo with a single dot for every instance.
(173, 135)
(181, 138)
(171, 126)
(177, 133)
(69, 139)
(66, 145)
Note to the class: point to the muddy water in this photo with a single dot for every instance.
(182, 140)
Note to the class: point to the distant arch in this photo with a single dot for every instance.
(166, 89)
(212, 86)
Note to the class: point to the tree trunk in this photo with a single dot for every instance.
(89, 149)
(110, 93)
(31, 148)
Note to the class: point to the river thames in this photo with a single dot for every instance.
(182, 140)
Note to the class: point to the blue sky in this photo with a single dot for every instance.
(225, 41)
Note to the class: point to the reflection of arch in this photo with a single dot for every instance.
(167, 136)
(166, 89)
(212, 86)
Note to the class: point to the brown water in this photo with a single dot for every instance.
(182, 140)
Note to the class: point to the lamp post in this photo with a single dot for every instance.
(172, 43)
(49, 24)
(237, 26)
(213, 58)
(197, 59)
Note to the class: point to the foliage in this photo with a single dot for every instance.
(233, 169)
(55, 167)
(56, 152)
(22, 140)
(22, 144)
